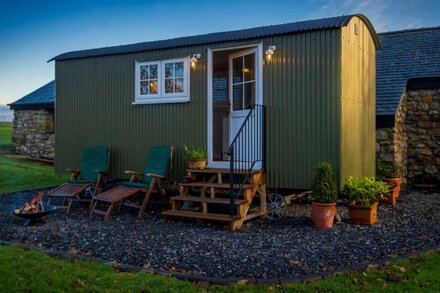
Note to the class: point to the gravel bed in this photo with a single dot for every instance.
(289, 247)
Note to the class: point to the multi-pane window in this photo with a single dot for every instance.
(149, 79)
(163, 81)
(174, 77)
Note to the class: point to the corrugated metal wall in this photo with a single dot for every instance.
(94, 106)
(301, 92)
(301, 89)
(358, 127)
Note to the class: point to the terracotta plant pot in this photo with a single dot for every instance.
(363, 215)
(388, 198)
(395, 185)
(197, 164)
(323, 214)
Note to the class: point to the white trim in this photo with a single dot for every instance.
(258, 98)
(162, 101)
(185, 77)
(137, 94)
(161, 97)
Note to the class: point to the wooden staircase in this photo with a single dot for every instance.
(207, 196)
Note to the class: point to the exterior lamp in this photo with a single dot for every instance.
(194, 59)
(269, 52)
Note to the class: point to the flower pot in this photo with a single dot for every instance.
(395, 185)
(197, 164)
(363, 215)
(389, 198)
(323, 214)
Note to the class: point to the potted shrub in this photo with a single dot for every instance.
(390, 175)
(363, 192)
(195, 156)
(324, 197)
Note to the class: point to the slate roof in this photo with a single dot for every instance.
(42, 97)
(405, 54)
(238, 35)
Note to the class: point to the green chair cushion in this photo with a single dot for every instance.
(80, 181)
(94, 158)
(135, 184)
(158, 163)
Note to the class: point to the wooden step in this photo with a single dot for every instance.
(221, 171)
(215, 185)
(200, 215)
(207, 199)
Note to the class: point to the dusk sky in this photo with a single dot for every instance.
(32, 32)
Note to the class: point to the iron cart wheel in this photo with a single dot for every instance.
(276, 206)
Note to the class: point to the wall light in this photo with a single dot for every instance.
(194, 60)
(269, 52)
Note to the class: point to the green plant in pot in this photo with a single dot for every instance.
(324, 196)
(363, 192)
(391, 175)
(195, 156)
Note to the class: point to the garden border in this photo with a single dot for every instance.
(223, 281)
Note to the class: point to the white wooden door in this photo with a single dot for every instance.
(243, 92)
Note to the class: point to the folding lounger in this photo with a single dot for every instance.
(147, 183)
(92, 174)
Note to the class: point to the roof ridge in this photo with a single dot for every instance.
(421, 29)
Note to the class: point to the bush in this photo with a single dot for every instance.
(324, 185)
(194, 153)
(385, 171)
(364, 190)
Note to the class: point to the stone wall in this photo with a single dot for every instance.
(422, 126)
(33, 133)
(391, 143)
(413, 144)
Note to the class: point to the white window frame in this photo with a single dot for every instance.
(162, 97)
(138, 96)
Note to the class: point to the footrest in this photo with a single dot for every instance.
(117, 194)
(68, 189)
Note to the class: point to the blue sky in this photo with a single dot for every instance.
(31, 32)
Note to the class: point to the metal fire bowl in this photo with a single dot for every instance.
(34, 217)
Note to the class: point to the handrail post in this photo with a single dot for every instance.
(231, 181)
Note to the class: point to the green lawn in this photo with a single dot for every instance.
(5, 135)
(16, 175)
(34, 271)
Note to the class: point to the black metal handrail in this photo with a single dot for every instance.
(247, 152)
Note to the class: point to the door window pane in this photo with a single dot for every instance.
(249, 95)
(237, 65)
(237, 97)
(249, 67)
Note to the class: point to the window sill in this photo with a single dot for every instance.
(162, 101)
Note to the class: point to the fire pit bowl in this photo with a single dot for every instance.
(33, 218)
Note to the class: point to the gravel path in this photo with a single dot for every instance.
(261, 249)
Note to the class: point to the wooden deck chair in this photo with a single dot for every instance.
(148, 182)
(92, 174)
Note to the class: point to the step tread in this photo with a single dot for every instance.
(200, 215)
(221, 171)
(207, 199)
(213, 184)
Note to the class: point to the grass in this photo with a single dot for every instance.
(5, 135)
(34, 271)
(16, 175)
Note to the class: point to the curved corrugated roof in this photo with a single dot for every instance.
(406, 54)
(238, 35)
(43, 96)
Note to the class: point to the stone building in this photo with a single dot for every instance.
(408, 103)
(33, 124)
